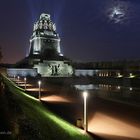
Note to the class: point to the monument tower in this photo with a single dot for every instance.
(44, 56)
(44, 52)
(44, 38)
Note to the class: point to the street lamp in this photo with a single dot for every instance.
(85, 110)
(39, 84)
(14, 77)
(18, 80)
(25, 79)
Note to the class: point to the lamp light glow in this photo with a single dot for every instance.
(131, 75)
(119, 75)
(39, 82)
(85, 94)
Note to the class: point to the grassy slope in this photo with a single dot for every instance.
(49, 126)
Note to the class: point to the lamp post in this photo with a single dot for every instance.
(18, 80)
(14, 77)
(25, 79)
(39, 84)
(85, 110)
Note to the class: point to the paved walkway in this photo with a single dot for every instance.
(106, 119)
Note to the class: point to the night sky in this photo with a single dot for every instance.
(90, 30)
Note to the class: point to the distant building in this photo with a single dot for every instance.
(44, 56)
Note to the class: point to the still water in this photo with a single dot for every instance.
(124, 94)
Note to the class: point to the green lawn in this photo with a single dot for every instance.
(40, 123)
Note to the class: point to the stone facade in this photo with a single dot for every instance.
(54, 68)
(44, 37)
(44, 53)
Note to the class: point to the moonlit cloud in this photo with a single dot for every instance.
(118, 12)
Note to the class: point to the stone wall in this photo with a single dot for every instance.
(21, 72)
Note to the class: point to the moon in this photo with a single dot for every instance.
(118, 12)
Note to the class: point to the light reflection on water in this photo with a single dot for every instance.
(119, 93)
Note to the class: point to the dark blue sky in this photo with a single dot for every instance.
(90, 30)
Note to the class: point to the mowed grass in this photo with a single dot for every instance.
(48, 125)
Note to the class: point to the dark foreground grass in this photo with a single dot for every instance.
(39, 123)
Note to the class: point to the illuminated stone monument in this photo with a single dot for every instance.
(44, 53)
(44, 38)
(44, 56)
